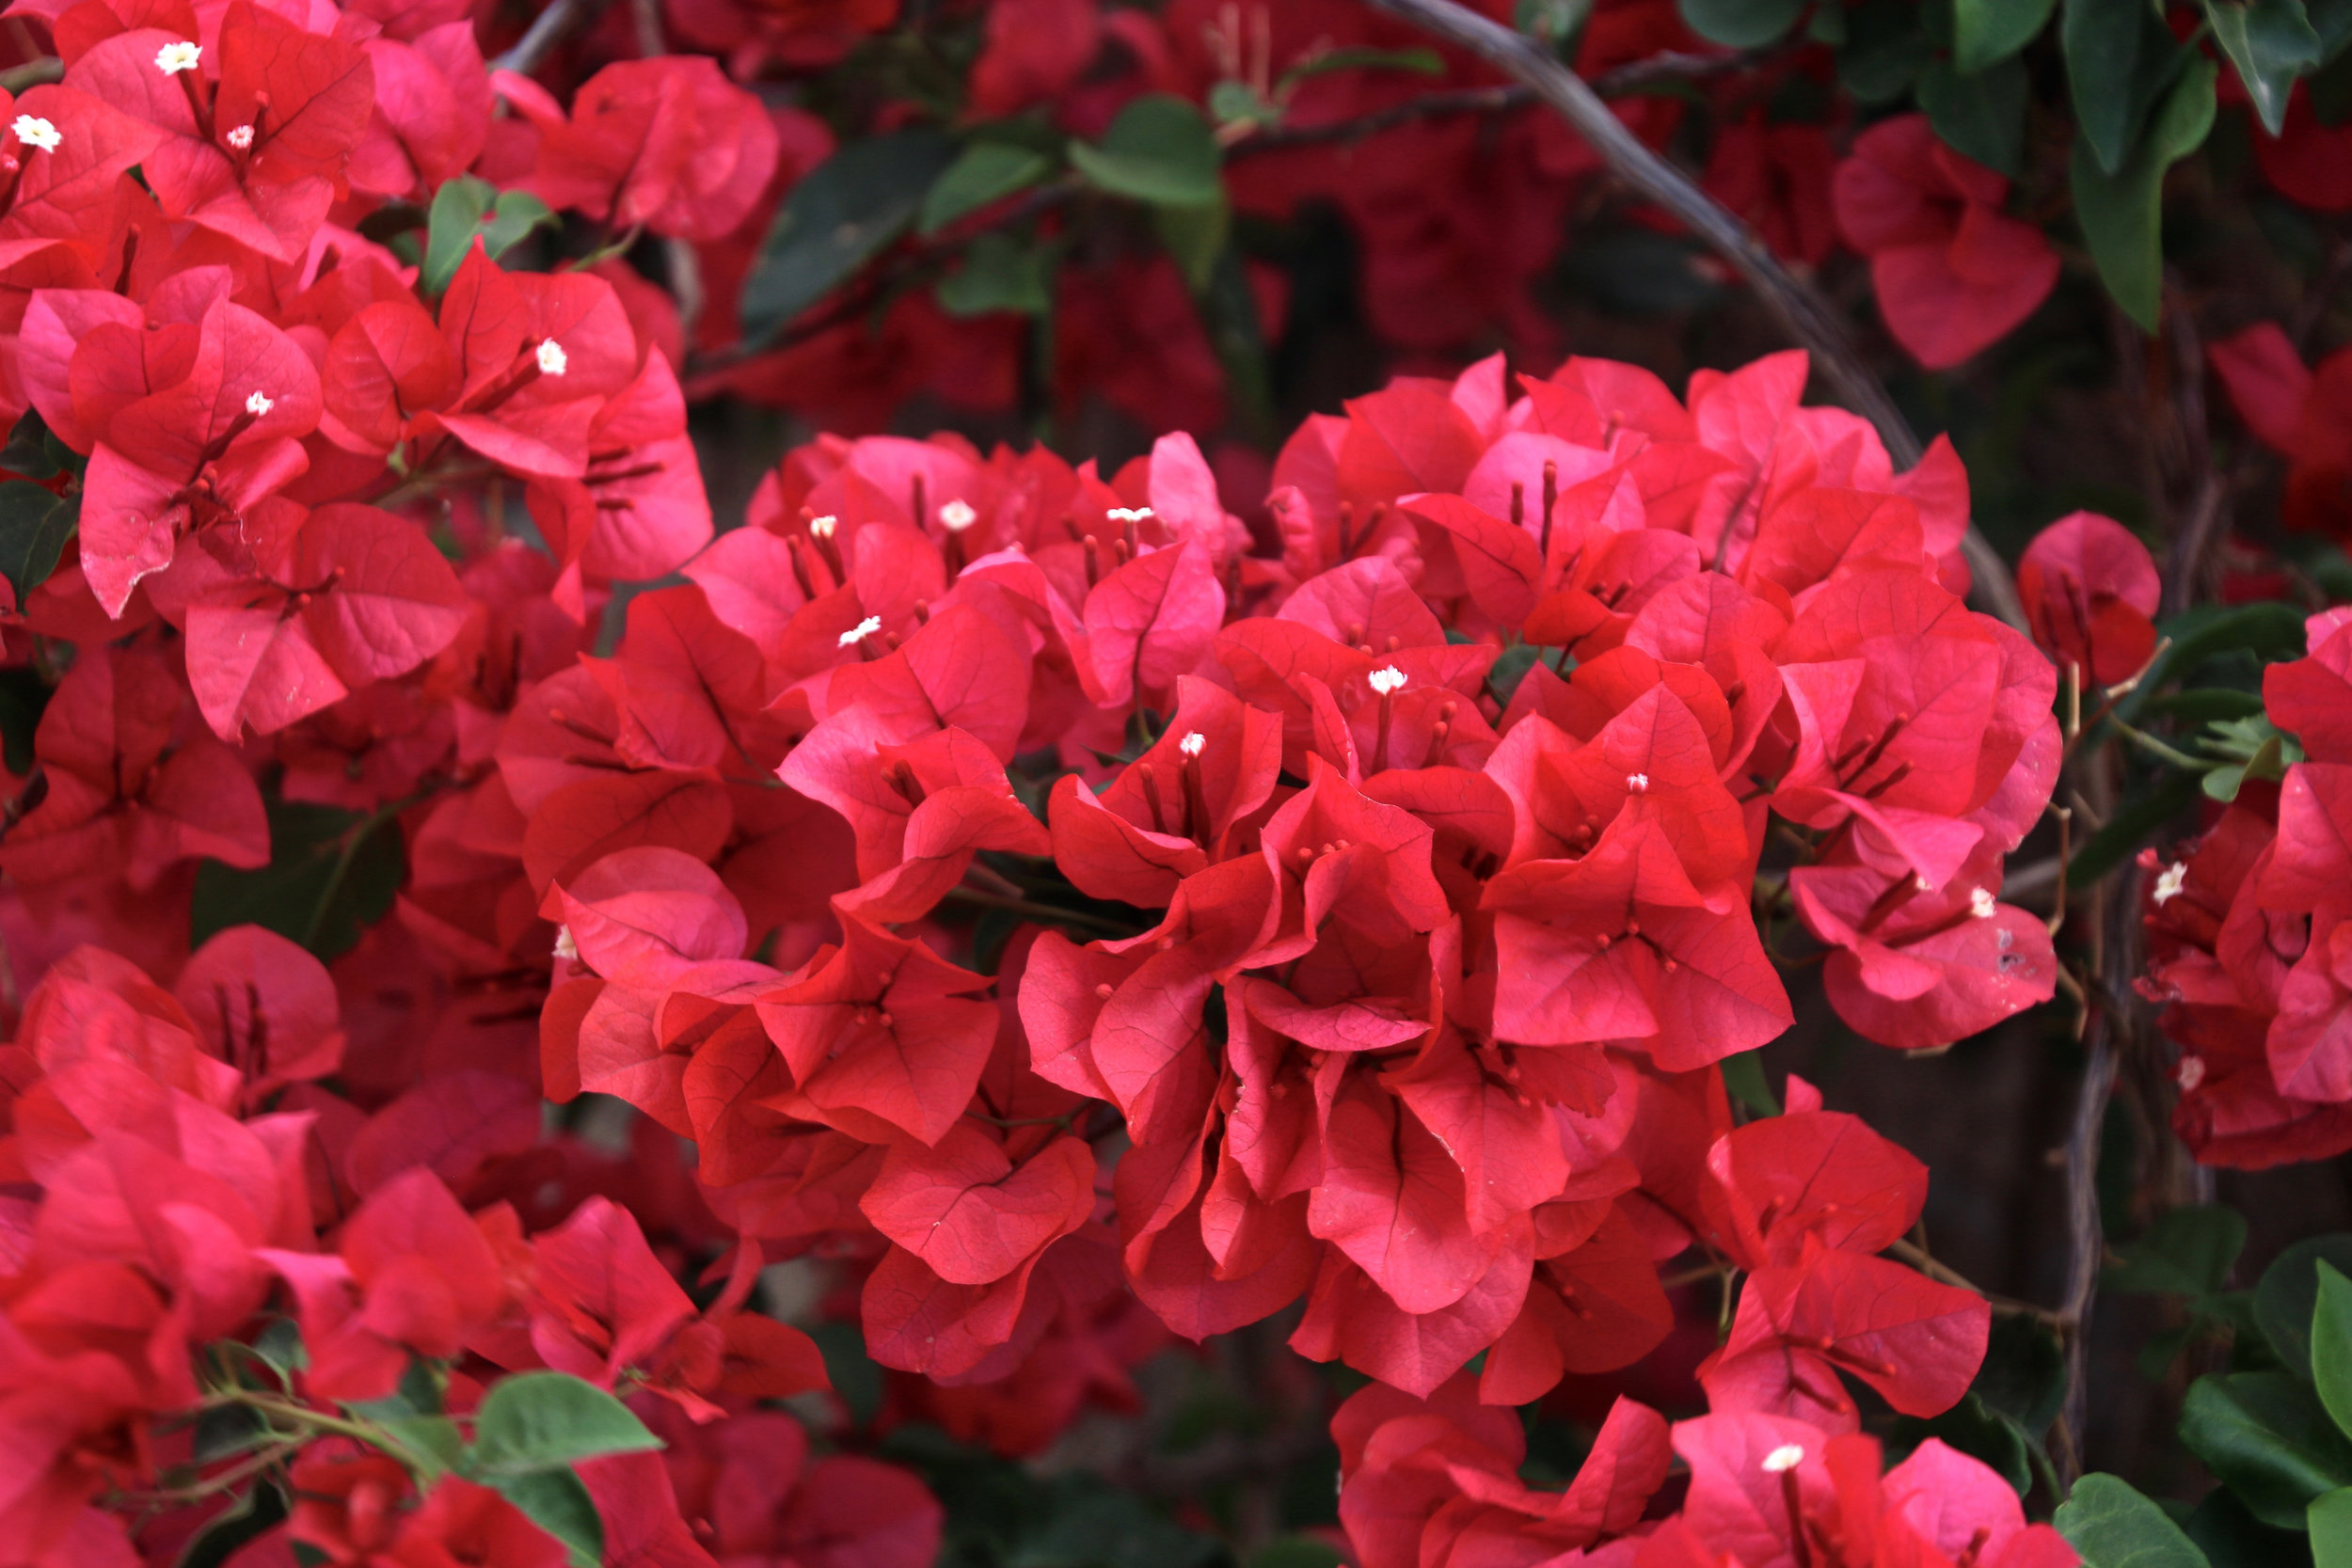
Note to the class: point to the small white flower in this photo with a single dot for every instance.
(35, 131)
(565, 947)
(259, 404)
(1387, 681)
(1785, 1458)
(1637, 783)
(1980, 903)
(240, 137)
(2168, 886)
(552, 359)
(823, 527)
(2190, 1073)
(860, 633)
(957, 516)
(1128, 514)
(1193, 744)
(173, 58)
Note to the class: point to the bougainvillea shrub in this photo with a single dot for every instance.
(1054, 786)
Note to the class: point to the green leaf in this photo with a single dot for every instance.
(2139, 816)
(999, 273)
(1741, 24)
(544, 1421)
(466, 209)
(24, 698)
(32, 451)
(227, 1430)
(2288, 1292)
(2332, 1343)
(1743, 1077)
(2271, 43)
(252, 1515)
(1985, 31)
(1195, 237)
(1159, 150)
(1980, 117)
(2187, 1252)
(839, 217)
(2329, 1520)
(2266, 630)
(2268, 1436)
(2114, 1526)
(1419, 62)
(332, 874)
(1297, 1551)
(2205, 704)
(2121, 212)
(1885, 49)
(558, 1502)
(431, 1443)
(983, 172)
(34, 527)
(2024, 1375)
(2233, 1538)
(2121, 60)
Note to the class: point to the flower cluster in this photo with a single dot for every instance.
(1434, 1483)
(166, 1209)
(2248, 942)
(1436, 842)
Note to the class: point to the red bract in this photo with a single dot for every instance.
(2297, 412)
(2089, 588)
(1954, 274)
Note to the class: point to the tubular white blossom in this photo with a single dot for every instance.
(240, 137)
(1980, 903)
(957, 516)
(860, 633)
(35, 131)
(823, 527)
(565, 947)
(2168, 886)
(172, 58)
(1128, 514)
(1787, 1457)
(1386, 681)
(259, 404)
(1637, 783)
(552, 359)
(1193, 744)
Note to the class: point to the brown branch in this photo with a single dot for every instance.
(1433, 105)
(1802, 312)
(545, 31)
(32, 73)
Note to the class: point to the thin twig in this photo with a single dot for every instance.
(546, 30)
(1802, 312)
(2086, 1241)
(32, 73)
(1432, 105)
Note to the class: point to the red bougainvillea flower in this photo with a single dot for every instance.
(1953, 274)
(2302, 413)
(2089, 588)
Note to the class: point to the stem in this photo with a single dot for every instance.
(1045, 913)
(546, 30)
(1805, 315)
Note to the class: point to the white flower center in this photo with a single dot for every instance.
(240, 137)
(2190, 1073)
(35, 131)
(565, 948)
(860, 633)
(1193, 744)
(2168, 886)
(1980, 903)
(259, 404)
(1128, 514)
(552, 359)
(173, 58)
(957, 516)
(1787, 1457)
(1387, 681)
(823, 527)
(1637, 783)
